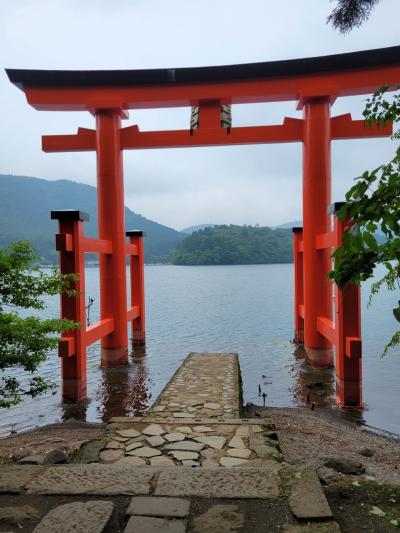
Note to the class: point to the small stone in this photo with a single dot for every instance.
(174, 437)
(120, 439)
(189, 462)
(256, 429)
(157, 440)
(158, 409)
(115, 445)
(153, 430)
(212, 406)
(192, 409)
(367, 452)
(184, 429)
(159, 506)
(186, 445)
(174, 404)
(80, 517)
(17, 515)
(110, 456)
(202, 429)
(161, 460)
(210, 463)
(182, 456)
(243, 431)
(32, 460)
(133, 446)
(55, 457)
(183, 415)
(145, 452)
(345, 465)
(236, 442)
(232, 461)
(129, 433)
(239, 452)
(149, 524)
(214, 442)
(129, 460)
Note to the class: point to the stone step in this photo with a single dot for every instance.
(113, 480)
(206, 385)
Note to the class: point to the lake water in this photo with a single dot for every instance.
(245, 309)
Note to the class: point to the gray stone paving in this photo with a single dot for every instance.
(147, 524)
(206, 385)
(191, 444)
(77, 517)
(159, 506)
(93, 479)
(13, 479)
(220, 483)
(307, 499)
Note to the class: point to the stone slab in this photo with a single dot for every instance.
(147, 524)
(238, 482)
(307, 500)
(317, 527)
(93, 479)
(14, 478)
(18, 515)
(159, 506)
(77, 517)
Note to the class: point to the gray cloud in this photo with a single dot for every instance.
(251, 184)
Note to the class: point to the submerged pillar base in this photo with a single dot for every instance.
(138, 338)
(74, 390)
(299, 336)
(319, 357)
(348, 393)
(114, 357)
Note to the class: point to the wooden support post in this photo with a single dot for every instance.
(316, 199)
(72, 347)
(348, 334)
(137, 287)
(298, 284)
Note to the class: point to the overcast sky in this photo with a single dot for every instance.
(240, 185)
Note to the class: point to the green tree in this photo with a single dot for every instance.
(373, 202)
(26, 341)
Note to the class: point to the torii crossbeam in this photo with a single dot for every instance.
(314, 83)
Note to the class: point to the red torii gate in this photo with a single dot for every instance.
(314, 83)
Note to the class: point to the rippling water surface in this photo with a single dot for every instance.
(245, 309)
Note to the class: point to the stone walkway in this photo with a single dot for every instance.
(206, 385)
(190, 465)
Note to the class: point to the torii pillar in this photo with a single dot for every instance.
(111, 225)
(316, 199)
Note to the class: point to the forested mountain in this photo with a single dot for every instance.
(235, 245)
(25, 205)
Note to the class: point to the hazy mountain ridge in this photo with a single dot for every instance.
(26, 202)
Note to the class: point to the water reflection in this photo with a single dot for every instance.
(311, 384)
(124, 391)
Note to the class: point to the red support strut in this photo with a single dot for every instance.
(72, 347)
(137, 287)
(298, 285)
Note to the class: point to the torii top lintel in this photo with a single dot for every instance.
(337, 75)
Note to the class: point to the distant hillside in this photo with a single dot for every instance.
(289, 225)
(235, 245)
(25, 205)
(192, 229)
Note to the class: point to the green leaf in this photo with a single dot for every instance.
(377, 511)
